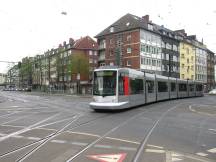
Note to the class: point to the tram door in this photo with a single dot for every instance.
(137, 91)
(123, 87)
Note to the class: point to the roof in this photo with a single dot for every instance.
(127, 22)
(85, 43)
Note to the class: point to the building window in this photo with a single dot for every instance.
(182, 76)
(182, 65)
(128, 38)
(153, 62)
(128, 50)
(128, 62)
(90, 53)
(187, 50)
(188, 61)
(182, 55)
(111, 29)
(111, 41)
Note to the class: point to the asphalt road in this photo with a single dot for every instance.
(35, 127)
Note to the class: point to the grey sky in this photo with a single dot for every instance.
(30, 27)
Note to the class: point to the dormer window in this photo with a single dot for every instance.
(150, 27)
(111, 29)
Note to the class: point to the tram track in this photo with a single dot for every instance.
(142, 144)
(46, 139)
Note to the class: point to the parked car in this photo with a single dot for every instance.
(212, 92)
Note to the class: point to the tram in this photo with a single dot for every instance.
(122, 88)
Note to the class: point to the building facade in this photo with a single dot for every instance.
(3, 78)
(187, 60)
(210, 70)
(61, 69)
(138, 43)
(170, 53)
(131, 42)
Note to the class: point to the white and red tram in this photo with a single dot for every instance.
(121, 88)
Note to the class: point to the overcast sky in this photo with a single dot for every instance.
(30, 27)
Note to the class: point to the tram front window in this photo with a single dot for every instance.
(104, 83)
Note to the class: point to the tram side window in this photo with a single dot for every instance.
(150, 85)
(136, 86)
(182, 87)
(173, 87)
(191, 87)
(162, 87)
(199, 87)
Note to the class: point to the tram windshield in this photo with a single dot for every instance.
(104, 83)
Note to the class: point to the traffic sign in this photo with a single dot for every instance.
(108, 157)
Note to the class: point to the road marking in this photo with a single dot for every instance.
(55, 122)
(123, 140)
(27, 128)
(58, 141)
(17, 136)
(108, 157)
(127, 148)
(213, 150)
(160, 147)
(103, 146)
(176, 159)
(154, 151)
(33, 138)
(95, 135)
(16, 126)
(79, 143)
(201, 154)
(14, 106)
(214, 130)
(82, 133)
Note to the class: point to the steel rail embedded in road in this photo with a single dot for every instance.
(47, 138)
(143, 144)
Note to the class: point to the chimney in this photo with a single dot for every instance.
(146, 18)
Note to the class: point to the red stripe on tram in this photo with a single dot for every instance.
(126, 86)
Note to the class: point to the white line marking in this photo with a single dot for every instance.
(160, 147)
(155, 151)
(176, 159)
(14, 106)
(127, 148)
(58, 141)
(17, 136)
(16, 126)
(94, 135)
(201, 154)
(214, 130)
(53, 122)
(33, 138)
(82, 133)
(176, 155)
(103, 146)
(27, 128)
(123, 140)
(79, 143)
(213, 150)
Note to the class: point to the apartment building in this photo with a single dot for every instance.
(137, 43)
(210, 70)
